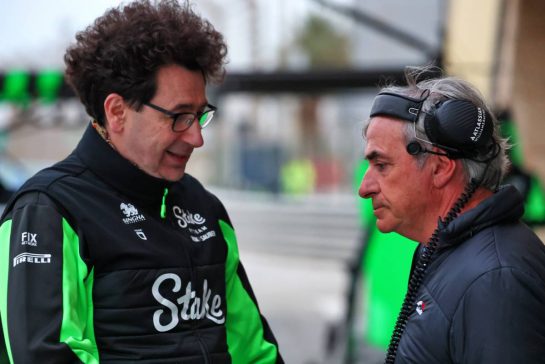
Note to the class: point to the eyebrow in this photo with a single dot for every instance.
(373, 155)
(189, 106)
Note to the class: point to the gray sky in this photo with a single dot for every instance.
(35, 33)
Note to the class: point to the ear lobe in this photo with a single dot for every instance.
(115, 110)
(443, 171)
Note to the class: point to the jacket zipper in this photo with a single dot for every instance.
(192, 276)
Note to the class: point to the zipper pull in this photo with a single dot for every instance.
(164, 205)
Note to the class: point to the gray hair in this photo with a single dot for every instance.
(490, 173)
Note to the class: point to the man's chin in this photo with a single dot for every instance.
(172, 175)
(174, 178)
(384, 227)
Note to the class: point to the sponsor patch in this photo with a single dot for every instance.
(420, 307)
(32, 258)
(194, 224)
(131, 213)
(28, 238)
(188, 306)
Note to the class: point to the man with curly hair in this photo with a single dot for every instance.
(115, 254)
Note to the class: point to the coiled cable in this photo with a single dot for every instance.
(420, 269)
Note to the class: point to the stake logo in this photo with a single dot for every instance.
(194, 224)
(186, 218)
(187, 307)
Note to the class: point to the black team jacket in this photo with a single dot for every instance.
(102, 263)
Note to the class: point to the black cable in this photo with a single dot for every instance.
(419, 271)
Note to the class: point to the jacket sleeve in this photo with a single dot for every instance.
(249, 337)
(45, 287)
(501, 319)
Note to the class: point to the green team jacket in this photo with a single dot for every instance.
(102, 263)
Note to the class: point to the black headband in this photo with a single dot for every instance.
(397, 106)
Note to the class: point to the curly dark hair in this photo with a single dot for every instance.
(123, 50)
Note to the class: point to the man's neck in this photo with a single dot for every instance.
(479, 196)
(452, 197)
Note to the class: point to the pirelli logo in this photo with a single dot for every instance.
(32, 258)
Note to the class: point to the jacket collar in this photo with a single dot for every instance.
(117, 171)
(506, 205)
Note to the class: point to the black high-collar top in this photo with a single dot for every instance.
(118, 172)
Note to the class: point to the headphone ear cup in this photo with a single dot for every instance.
(430, 126)
(414, 148)
(462, 125)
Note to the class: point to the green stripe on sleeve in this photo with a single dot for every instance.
(77, 330)
(5, 232)
(244, 328)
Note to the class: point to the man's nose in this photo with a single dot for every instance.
(193, 135)
(368, 186)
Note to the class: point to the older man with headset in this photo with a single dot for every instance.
(477, 288)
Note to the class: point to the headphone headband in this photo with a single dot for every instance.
(398, 106)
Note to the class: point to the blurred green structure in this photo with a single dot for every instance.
(379, 281)
(526, 182)
(16, 88)
(19, 87)
(48, 85)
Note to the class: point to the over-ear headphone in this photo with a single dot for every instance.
(459, 127)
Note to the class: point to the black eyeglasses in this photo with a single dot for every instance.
(183, 120)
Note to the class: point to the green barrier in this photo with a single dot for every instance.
(534, 212)
(386, 263)
(386, 268)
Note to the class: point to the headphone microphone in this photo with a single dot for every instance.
(414, 148)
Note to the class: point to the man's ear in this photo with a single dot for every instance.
(115, 110)
(444, 170)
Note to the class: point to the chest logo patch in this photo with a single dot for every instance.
(194, 224)
(131, 213)
(420, 307)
